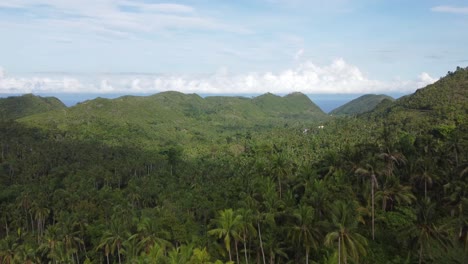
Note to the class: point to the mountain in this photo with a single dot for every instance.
(15, 107)
(176, 117)
(443, 103)
(361, 104)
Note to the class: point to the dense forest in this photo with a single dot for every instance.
(175, 178)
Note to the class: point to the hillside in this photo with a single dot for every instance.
(15, 107)
(444, 102)
(361, 104)
(176, 117)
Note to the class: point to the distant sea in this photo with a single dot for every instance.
(326, 102)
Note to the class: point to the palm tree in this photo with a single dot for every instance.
(227, 227)
(424, 175)
(41, 215)
(392, 159)
(180, 254)
(246, 229)
(369, 173)
(112, 239)
(52, 242)
(8, 248)
(393, 192)
(344, 223)
(281, 168)
(305, 230)
(425, 232)
(150, 233)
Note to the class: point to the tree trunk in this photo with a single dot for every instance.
(118, 254)
(279, 185)
(245, 250)
(425, 188)
(107, 256)
(237, 252)
(373, 219)
(420, 254)
(339, 249)
(307, 255)
(261, 243)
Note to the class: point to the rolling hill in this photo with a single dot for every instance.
(15, 107)
(176, 117)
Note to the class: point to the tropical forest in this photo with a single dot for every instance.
(180, 178)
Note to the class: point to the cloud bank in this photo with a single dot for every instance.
(339, 77)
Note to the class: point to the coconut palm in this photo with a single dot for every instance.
(344, 220)
(369, 173)
(227, 227)
(305, 230)
(392, 192)
(8, 248)
(112, 239)
(424, 174)
(425, 232)
(246, 229)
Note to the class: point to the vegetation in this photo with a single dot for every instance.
(175, 178)
(20, 106)
(361, 104)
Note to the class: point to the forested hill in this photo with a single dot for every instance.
(169, 115)
(444, 102)
(361, 104)
(20, 106)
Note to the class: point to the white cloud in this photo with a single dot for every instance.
(425, 79)
(451, 9)
(338, 77)
(127, 16)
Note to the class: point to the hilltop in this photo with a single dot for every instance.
(15, 107)
(361, 104)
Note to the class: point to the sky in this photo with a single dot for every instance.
(229, 46)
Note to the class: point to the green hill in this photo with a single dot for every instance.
(15, 107)
(361, 104)
(443, 103)
(176, 117)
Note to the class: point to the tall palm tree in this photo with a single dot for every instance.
(150, 233)
(227, 227)
(424, 174)
(393, 192)
(246, 229)
(305, 230)
(281, 168)
(391, 160)
(112, 239)
(369, 173)
(344, 220)
(425, 231)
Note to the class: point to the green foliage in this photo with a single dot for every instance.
(175, 178)
(15, 107)
(361, 104)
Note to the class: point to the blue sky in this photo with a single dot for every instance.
(235, 46)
